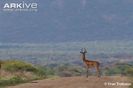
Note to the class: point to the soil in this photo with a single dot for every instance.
(77, 82)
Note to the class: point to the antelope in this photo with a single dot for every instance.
(89, 63)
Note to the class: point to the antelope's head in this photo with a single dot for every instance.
(83, 51)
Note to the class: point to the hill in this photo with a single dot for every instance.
(68, 52)
(76, 82)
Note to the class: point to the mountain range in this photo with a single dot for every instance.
(68, 20)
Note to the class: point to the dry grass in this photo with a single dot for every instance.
(24, 75)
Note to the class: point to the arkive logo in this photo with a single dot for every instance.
(20, 6)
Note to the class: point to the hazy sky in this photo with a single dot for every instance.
(68, 20)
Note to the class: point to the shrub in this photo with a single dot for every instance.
(44, 72)
(120, 69)
(40, 72)
(12, 81)
(69, 70)
(130, 71)
(15, 65)
(20, 72)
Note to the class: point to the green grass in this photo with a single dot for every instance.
(12, 81)
(123, 69)
(15, 65)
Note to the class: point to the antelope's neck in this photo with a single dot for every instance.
(83, 57)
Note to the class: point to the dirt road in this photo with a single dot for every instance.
(78, 82)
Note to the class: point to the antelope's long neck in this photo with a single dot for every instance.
(83, 57)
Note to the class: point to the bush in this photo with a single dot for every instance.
(69, 70)
(20, 72)
(12, 81)
(120, 69)
(130, 71)
(40, 72)
(44, 72)
(14, 66)
(20, 66)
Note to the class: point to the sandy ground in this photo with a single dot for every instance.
(77, 82)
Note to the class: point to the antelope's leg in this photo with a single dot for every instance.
(87, 73)
(98, 71)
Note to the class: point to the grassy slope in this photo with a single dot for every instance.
(15, 72)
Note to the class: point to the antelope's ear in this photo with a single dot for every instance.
(81, 50)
